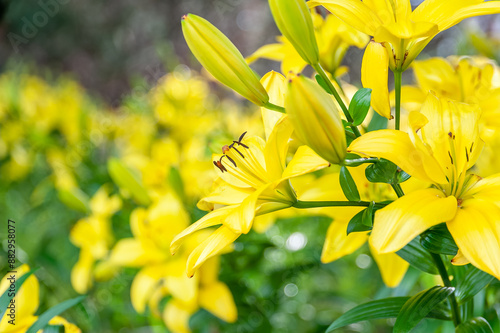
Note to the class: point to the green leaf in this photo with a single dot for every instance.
(75, 199)
(348, 185)
(419, 306)
(439, 240)
(474, 325)
(379, 309)
(359, 106)
(322, 83)
(472, 283)
(126, 179)
(356, 224)
(367, 218)
(6, 298)
(51, 329)
(377, 122)
(418, 257)
(56, 310)
(385, 171)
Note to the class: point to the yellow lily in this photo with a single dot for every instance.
(254, 180)
(162, 275)
(469, 80)
(400, 33)
(334, 38)
(443, 144)
(27, 300)
(93, 235)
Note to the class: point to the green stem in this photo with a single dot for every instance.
(317, 204)
(274, 107)
(397, 86)
(335, 94)
(455, 313)
(358, 161)
(399, 191)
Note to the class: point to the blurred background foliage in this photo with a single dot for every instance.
(91, 65)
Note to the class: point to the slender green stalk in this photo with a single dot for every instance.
(399, 191)
(358, 161)
(318, 204)
(397, 86)
(335, 94)
(274, 107)
(455, 313)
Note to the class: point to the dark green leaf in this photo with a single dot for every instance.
(418, 257)
(359, 106)
(356, 224)
(45, 317)
(348, 185)
(322, 83)
(51, 329)
(401, 176)
(419, 306)
(377, 123)
(475, 325)
(6, 298)
(439, 240)
(385, 171)
(379, 309)
(367, 218)
(472, 283)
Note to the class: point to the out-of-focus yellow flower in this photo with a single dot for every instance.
(334, 38)
(163, 275)
(222, 59)
(93, 235)
(27, 300)
(400, 32)
(316, 119)
(443, 144)
(253, 181)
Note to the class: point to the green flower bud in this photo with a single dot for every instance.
(222, 59)
(316, 119)
(295, 23)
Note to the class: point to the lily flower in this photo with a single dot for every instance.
(401, 33)
(254, 180)
(27, 300)
(443, 144)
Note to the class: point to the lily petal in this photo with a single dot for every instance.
(392, 268)
(304, 161)
(476, 231)
(338, 243)
(212, 246)
(398, 223)
(375, 75)
(217, 299)
(176, 316)
(143, 285)
(275, 85)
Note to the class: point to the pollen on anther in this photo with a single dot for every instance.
(225, 149)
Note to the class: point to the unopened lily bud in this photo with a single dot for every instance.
(316, 119)
(295, 23)
(222, 59)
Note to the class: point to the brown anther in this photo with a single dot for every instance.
(459, 202)
(450, 134)
(219, 165)
(225, 149)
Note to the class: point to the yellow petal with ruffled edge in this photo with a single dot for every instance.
(26, 300)
(304, 161)
(212, 246)
(354, 13)
(392, 268)
(397, 147)
(176, 316)
(275, 85)
(217, 299)
(339, 244)
(81, 273)
(476, 231)
(143, 285)
(398, 223)
(375, 75)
